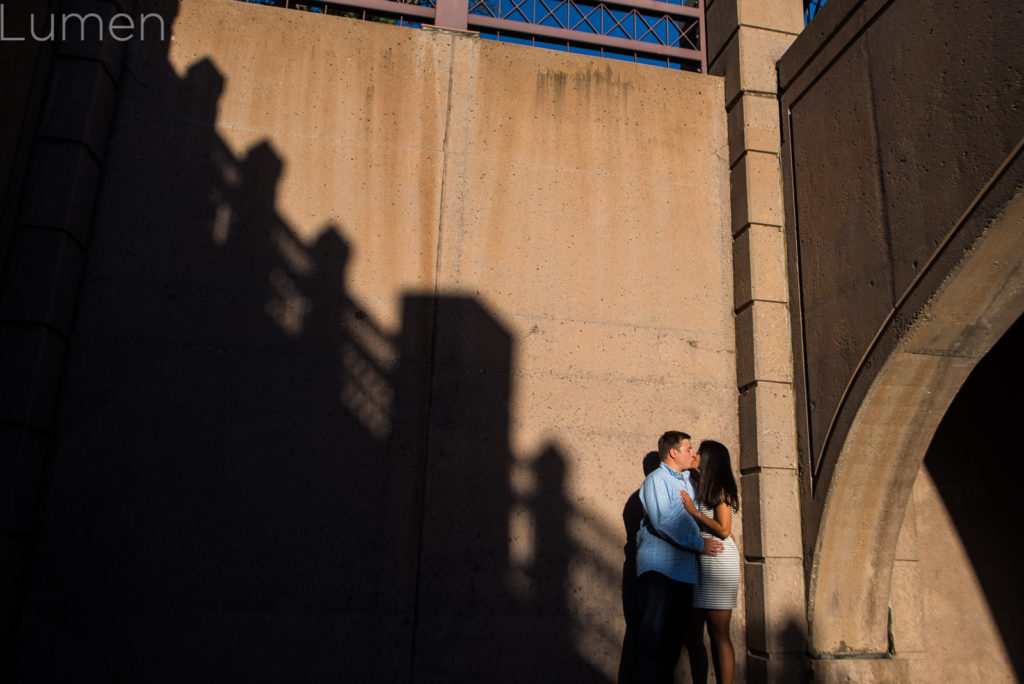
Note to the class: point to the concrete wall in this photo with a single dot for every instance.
(897, 116)
(905, 191)
(376, 330)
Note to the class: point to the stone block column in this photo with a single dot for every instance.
(64, 140)
(746, 38)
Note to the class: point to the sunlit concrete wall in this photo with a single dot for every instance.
(377, 327)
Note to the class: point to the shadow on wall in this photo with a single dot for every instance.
(252, 480)
(976, 464)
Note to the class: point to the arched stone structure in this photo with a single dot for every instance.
(979, 299)
(905, 227)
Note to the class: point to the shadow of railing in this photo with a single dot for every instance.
(256, 480)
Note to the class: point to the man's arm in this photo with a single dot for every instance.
(666, 515)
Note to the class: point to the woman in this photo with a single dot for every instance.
(715, 595)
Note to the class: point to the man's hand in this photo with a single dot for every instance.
(712, 547)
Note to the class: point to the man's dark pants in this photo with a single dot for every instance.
(664, 614)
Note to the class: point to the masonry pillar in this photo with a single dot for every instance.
(46, 223)
(746, 38)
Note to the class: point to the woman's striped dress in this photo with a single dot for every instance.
(719, 575)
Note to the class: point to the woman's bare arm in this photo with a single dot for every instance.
(720, 525)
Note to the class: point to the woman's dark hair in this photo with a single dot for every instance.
(717, 484)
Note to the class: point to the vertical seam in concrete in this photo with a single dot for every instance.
(796, 303)
(431, 365)
(444, 169)
(886, 228)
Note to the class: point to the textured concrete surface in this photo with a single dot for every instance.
(902, 207)
(879, 123)
(856, 545)
(373, 340)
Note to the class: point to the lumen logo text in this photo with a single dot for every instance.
(89, 26)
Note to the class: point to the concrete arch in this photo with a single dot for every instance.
(971, 308)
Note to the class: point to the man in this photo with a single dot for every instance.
(666, 560)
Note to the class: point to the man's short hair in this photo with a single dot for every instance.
(670, 440)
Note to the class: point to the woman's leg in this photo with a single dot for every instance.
(721, 645)
(695, 650)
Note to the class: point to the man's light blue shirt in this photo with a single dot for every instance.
(669, 539)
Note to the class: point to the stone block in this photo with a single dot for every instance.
(42, 279)
(747, 61)
(61, 188)
(756, 191)
(767, 426)
(860, 671)
(774, 591)
(771, 514)
(763, 344)
(778, 15)
(725, 16)
(22, 456)
(908, 621)
(759, 265)
(754, 125)
(80, 103)
(31, 359)
(94, 43)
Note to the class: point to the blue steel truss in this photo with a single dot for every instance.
(665, 33)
